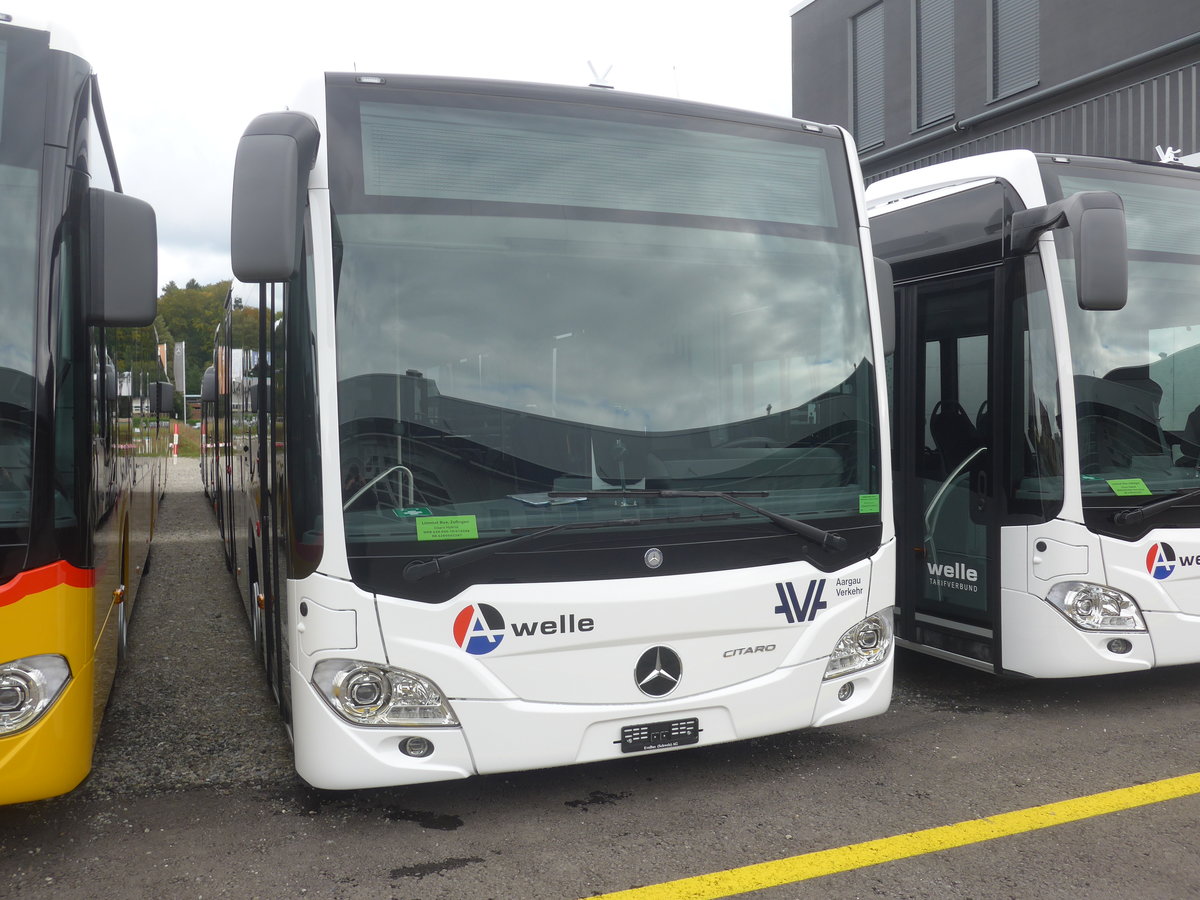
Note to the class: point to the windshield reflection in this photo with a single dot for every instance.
(631, 356)
(548, 311)
(1137, 369)
(18, 216)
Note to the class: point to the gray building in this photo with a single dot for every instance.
(921, 81)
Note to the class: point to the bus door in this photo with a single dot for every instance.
(949, 585)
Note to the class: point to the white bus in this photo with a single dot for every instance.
(1047, 411)
(569, 439)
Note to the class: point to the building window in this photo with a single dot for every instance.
(934, 56)
(1014, 46)
(866, 39)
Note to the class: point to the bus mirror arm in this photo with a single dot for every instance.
(1101, 249)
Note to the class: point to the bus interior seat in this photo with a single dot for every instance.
(1189, 441)
(954, 434)
(1119, 419)
(983, 421)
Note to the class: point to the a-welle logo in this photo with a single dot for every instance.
(1162, 561)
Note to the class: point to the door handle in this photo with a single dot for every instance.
(982, 484)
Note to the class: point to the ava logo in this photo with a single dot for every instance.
(479, 629)
(790, 606)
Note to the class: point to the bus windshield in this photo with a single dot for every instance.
(1137, 369)
(20, 153)
(536, 304)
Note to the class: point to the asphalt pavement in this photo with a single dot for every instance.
(193, 792)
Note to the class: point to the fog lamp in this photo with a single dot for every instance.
(416, 747)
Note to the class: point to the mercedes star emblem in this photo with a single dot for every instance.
(658, 671)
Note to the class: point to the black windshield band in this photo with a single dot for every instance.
(618, 554)
(437, 206)
(347, 184)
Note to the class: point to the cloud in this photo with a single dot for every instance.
(180, 83)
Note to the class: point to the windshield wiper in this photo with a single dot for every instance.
(415, 570)
(418, 570)
(1137, 514)
(827, 540)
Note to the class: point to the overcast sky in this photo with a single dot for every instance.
(181, 81)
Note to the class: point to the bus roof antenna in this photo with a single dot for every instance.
(598, 80)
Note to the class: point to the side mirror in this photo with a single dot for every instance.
(208, 386)
(124, 260)
(162, 397)
(270, 178)
(1097, 223)
(887, 305)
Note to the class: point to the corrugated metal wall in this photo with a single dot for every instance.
(1127, 122)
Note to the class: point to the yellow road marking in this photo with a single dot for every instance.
(871, 853)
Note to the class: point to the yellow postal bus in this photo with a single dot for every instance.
(80, 476)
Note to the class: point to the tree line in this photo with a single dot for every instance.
(188, 315)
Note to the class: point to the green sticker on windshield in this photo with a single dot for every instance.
(1129, 487)
(446, 528)
(411, 512)
(868, 503)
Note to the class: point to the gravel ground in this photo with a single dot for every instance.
(189, 705)
(194, 795)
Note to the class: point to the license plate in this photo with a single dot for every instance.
(660, 735)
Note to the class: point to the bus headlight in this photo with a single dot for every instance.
(28, 687)
(865, 645)
(1096, 607)
(369, 694)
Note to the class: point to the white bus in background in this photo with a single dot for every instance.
(1046, 405)
(569, 441)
